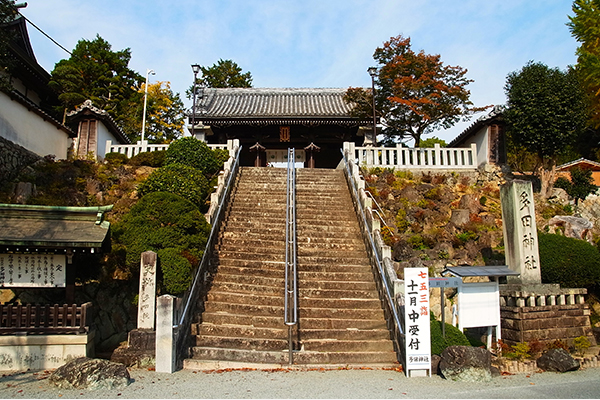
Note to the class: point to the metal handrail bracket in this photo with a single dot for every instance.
(291, 256)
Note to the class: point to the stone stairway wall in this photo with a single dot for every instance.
(340, 314)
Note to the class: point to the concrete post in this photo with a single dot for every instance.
(166, 355)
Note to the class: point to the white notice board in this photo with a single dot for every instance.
(478, 305)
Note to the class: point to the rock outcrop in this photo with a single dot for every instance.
(89, 373)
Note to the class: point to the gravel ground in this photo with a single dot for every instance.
(282, 384)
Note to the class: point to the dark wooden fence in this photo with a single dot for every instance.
(44, 319)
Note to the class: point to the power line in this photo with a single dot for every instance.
(45, 34)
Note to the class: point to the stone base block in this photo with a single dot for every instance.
(39, 352)
(546, 323)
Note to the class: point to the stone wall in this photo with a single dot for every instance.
(546, 323)
(13, 158)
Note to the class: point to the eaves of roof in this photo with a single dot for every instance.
(78, 227)
(273, 104)
(581, 162)
(86, 109)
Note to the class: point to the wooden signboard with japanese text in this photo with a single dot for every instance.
(33, 270)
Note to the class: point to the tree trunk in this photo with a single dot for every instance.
(547, 181)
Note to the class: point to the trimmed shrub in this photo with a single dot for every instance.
(182, 180)
(159, 221)
(115, 159)
(454, 337)
(193, 153)
(572, 263)
(153, 159)
(176, 271)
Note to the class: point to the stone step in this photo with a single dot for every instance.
(329, 240)
(269, 235)
(338, 323)
(244, 331)
(304, 265)
(270, 247)
(248, 265)
(331, 262)
(238, 355)
(249, 279)
(244, 288)
(335, 276)
(344, 334)
(337, 293)
(339, 285)
(319, 358)
(243, 221)
(244, 242)
(245, 298)
(339, 313)
(250, 310)
(261, 268)
(266, 321)
(347, 346)
(244, 343)
(314, 247)
(244, 255)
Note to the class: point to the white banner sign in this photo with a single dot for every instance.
(32, 270)
(416, 317)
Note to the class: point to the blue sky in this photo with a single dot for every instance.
(312, 43)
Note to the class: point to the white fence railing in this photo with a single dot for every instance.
(131, 150)
(414, 158)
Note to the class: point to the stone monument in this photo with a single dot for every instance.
(529, 309)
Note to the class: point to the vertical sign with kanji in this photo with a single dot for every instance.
(416, 320)
(520, 231)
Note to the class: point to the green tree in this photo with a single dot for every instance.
(157, 222)
(415, 92)
(585, 27)
(8, 12)
(432, 141)
(164, 114)
(225, 74)
(97, 73)
(580, 185)
(546, 112)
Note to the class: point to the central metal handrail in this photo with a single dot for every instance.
(375, 253)
(291, 256)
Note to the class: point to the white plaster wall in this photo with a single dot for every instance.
(39, 352)
(103, 136)
(481, 140)
(27, 129)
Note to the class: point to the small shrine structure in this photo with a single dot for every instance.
(39, 248)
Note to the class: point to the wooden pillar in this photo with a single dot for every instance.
(258, 149)
(70, 278)
(311, 149)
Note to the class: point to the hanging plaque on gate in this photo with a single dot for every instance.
(32, 270)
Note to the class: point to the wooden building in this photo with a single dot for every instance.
(488, 133)
(268, 121)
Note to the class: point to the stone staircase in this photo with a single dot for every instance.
(340, 314)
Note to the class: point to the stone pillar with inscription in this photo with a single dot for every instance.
(520, 232)
(529, 309)
(147, 295)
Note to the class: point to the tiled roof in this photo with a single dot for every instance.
(580, 162)
(87, 108)
(237, 104)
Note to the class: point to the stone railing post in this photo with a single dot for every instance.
(166, 354)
